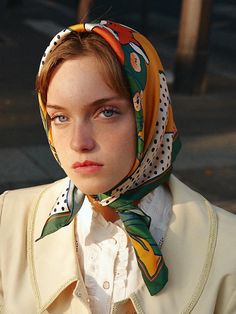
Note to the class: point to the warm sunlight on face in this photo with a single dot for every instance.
(93, 127)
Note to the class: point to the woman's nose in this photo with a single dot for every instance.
(82, 139)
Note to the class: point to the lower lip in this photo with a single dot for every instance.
(88, 169)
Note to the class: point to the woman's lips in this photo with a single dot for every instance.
(86, 167)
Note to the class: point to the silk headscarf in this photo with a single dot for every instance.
(157, 144)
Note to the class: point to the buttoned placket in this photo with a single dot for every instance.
(121, 265)
(101, 281)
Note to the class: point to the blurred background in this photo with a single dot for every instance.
(196, 41)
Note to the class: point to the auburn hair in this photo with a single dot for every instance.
(84, 44)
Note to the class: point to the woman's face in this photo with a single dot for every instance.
(93, 128)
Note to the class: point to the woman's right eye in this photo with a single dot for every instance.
(59, 119)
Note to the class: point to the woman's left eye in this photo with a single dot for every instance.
(108, 112)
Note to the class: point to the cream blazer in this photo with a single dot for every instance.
(44, 276)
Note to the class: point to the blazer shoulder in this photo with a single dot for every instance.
(226, 224)
(191, 206)
(18, 202)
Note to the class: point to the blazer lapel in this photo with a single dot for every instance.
(53, 260)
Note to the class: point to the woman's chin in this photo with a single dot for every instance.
(93, 190)
(95, 185)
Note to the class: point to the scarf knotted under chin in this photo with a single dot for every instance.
(157, 146)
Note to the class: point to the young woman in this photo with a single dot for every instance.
(120, 234)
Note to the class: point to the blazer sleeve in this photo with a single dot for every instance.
(226, 300)
(1, 288)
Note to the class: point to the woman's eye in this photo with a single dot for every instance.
(108, 113)
(59, 119)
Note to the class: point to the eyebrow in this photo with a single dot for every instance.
(93, 104)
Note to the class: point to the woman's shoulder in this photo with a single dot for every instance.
(203, 218)
(19, 201)
(226, 226)
(189, 198)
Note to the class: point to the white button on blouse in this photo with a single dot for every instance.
(106, 285)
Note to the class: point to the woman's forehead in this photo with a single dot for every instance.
(80, 80)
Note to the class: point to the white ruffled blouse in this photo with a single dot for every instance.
(105, 253)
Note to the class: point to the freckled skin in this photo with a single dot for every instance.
(85, 129)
